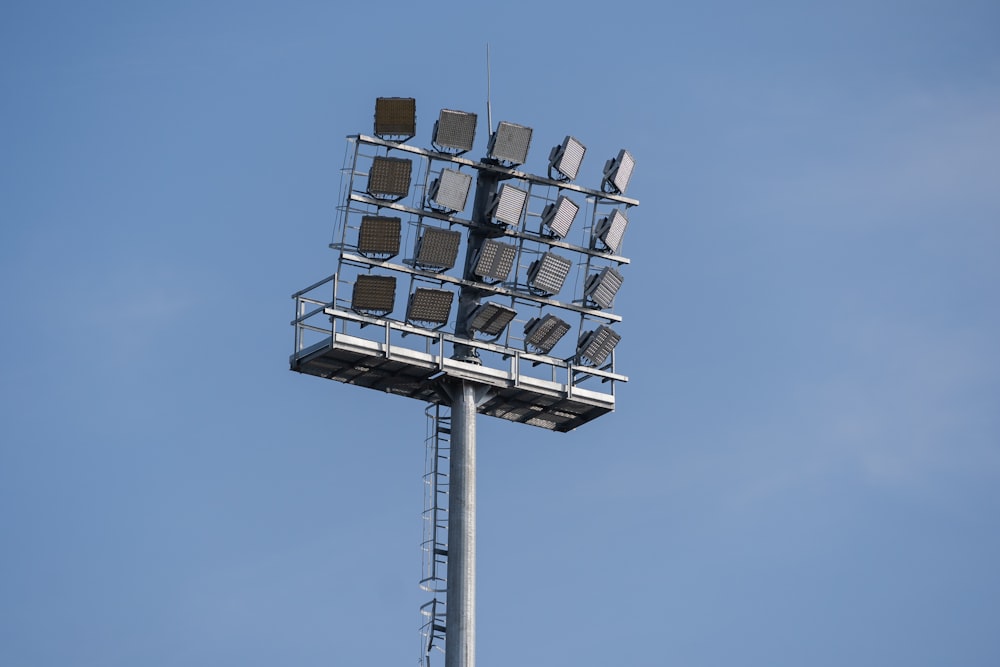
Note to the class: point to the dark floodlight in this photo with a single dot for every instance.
(611, 229)
(542, 333)
(451, 190)
(375, 295)
(389, 177)
(429, 305)
(437, 249)
(602, 287)
(495, 260)
(618, 172)
(395, 117)
(596, 345)
(558, 217)
(379, 236)
(510, 143)
(454, 131)
(508, 205)
(491, 318)
(566, 159)
(548, 274)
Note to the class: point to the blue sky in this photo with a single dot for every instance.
(803, 469)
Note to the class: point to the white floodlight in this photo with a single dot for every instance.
(375, 295)
(510, 143)
(379, 236)
(495, 260)
(454, 131)
(451, 190)
(566, 158)
(429, 305)
(610, 230)
(548, 274)
(596, 345)
(389, 177)
(618, 172)
(395, 117)
(602, 287)
(542, 333)
(559, 216)
(508, 205)
(491, 319)
(437, 249)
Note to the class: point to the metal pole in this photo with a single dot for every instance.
(460, 621)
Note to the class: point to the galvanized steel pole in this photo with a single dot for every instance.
(460, 621)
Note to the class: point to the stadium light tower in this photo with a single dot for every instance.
(470, 328)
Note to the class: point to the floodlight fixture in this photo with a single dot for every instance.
(437, 249)
(389, 178)
(379, 236)
(596, 345)
(454, 131)
(547, 274)
(558, 217)
(508, 205)
(618, 172)
(395, 118)
(491, 319)
(374, 295)
(509, 144)
(566, 159)
(542, 333)
(450, 191)
(495, 260)
(602, 287)
(610, 230)
(431, 306)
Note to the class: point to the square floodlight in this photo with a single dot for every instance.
(542, 333)
(451, 190)
(611, 230)
(389, 177)
(379, 236)
(437, 249)
(429, 305)
(491, 318)
(510, 203)
(559, 217)
(510, 143)
(454, 130)
(596, 345)
(549, 273)
(495, 260)
(374, 294)
(567, 157)
(602, 287)
(618, 172)
(395, 117)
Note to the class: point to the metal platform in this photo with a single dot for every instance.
(409, 361)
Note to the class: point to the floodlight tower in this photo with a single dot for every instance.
(514, 269)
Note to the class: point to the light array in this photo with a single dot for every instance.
(596, 345)
(437, 249)
(379, 236)
(495, 261)
(509, 144)
(491, 318)
(451, 190)
(454, 131)
(431, 306)
(503, 225)
(375, 295)
(548, 274)
(559, 216)
(566, 158)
